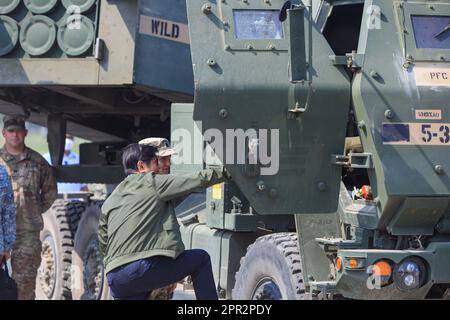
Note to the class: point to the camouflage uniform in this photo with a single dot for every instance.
(34, 189)
(161, 144)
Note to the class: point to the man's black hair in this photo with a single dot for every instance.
(135, 152)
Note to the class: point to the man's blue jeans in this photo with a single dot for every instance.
(135, 280)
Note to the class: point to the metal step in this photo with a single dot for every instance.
(333, 244)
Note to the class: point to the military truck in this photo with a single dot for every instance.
(103, 70)
(352, 96)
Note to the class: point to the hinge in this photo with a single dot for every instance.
(352, 60)
(361, 160)
(353, 160)
(340, 160)
(98, 52)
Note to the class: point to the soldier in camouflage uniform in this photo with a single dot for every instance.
(34, 189)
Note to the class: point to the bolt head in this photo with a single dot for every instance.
(389, 114)
(206, 8)
(361, 124)
(273, 193)
(374, 74)
(321, 186)
(439, 169)
(261, 185)
(223, 113)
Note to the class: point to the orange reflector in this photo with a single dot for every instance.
(338, 264)
(382, 269)
(353, 263)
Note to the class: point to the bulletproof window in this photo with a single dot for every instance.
(432, 32)
(257, 24)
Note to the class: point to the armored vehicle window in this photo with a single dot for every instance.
(342, 28)
(432, 32)
(257, 24)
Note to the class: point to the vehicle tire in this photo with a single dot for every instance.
(89, 279)
(271, 270)
(60, 224)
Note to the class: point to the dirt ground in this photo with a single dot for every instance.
(179, 293)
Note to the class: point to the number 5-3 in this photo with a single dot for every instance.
(426, 131)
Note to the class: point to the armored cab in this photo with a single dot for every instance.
(352, 97)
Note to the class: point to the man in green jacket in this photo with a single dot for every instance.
(139, 234)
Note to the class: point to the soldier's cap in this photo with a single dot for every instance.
(162, 146)
(11, 122)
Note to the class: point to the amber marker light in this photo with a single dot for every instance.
(338, 264)
(353, 263)
(382, 268)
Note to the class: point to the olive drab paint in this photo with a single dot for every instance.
(389, 88)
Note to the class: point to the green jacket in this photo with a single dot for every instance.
(138, 219)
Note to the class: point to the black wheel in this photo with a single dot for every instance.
(89, 279)
(271, 270)
(54, 274)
